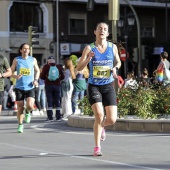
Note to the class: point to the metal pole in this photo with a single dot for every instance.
(139, 37)
(114, 30)
(166, 21)
(126, 37)
(126, 61)
(57, 33)
(113, 6)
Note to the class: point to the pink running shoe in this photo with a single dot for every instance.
(97, 151)
(103, 135)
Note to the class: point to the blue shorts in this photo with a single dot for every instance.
(102, 93)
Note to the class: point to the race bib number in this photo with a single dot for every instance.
(25, 71)
(101, 71)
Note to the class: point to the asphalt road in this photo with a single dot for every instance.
(55, 146)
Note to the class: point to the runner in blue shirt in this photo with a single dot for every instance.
(100, 56)
(25, 66)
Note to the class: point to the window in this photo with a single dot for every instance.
(77, 24)
(147, 27)
(22, 15)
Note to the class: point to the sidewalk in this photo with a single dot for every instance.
(8, 112)
(130, 125)
(127, 124)
(11, 112)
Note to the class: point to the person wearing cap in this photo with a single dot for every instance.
(53, 89)
(27, 78)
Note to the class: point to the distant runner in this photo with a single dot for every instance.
(26, 80)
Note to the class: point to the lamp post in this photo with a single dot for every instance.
(113, 14)
(125, 23)
(139, 37)
(57, 32)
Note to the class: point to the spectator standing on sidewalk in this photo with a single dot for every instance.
(53, 89)
(42, 97)
(12, 89)
(25, 65)
(100, 56)
(5, 97)
(67, 88)
(37, 102)
(164, 64)
(5, 71)
(80, 85)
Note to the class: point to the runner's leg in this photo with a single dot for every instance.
(97, 127)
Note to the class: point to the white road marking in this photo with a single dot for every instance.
(82, 157)
(42, 154)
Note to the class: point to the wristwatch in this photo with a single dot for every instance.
(117, 68)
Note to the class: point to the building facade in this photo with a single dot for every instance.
(65, 27)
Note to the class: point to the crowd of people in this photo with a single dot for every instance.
(59, 87)
(160, 77)
(61, 95)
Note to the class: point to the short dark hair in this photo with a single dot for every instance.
(164, 54)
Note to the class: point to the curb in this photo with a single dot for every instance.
(14, 113)
(161, 126)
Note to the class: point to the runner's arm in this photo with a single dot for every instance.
(8, 69)
(13, 68)
(7, 73)
(117, 58)
(85, 58)
(117, 62)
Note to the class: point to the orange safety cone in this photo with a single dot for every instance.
(15, 105)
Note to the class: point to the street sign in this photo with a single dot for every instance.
(123, 55)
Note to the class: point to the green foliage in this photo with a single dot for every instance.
(85, 106)
(162, 104)
(146, 103)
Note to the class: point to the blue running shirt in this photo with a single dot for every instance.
(25, 67)
(100, 66)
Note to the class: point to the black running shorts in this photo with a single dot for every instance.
(23, 94)
(102, 93)
(1, 97)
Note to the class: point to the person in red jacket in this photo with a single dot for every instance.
(120, 82)
(53, 89)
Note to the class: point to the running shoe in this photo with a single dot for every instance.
(27, 117)
(103, 135)
(41, 112)
(58, 120)
(20, 129)
(97, 151)
(49, 120)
